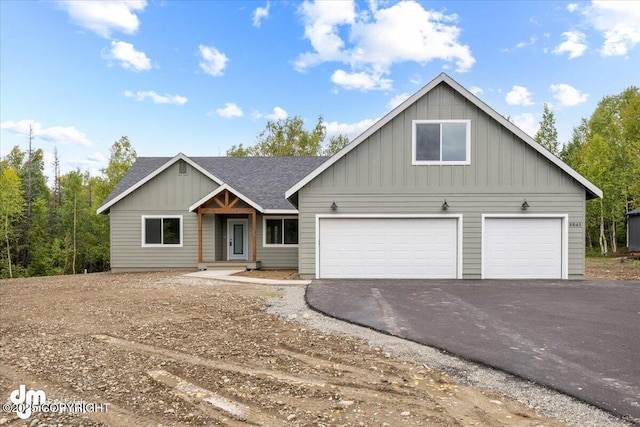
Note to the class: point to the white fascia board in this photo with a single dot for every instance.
(231, 190)
(474, 100)
(155, 173)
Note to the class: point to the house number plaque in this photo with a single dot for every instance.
(575, 224)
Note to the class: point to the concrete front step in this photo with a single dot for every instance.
(230, 265)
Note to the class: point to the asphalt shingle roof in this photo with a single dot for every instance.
(264, 180)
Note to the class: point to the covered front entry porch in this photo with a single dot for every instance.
(227, 231)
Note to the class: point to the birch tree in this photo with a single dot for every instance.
(11, 210)
(288, 137)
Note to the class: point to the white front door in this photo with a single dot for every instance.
(237, 239)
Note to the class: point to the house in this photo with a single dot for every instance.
(441, 187)
(197, 212)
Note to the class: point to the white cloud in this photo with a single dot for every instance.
(526, 122)
(351, 130)
(229, 111)
(141, 95)
(572, 7)
(259, 14)
(55, 134)
(372, 41)
(129, 57)
(476, 90)
(568, 96)
(105, 17)
(618, 23)
(574, 44)
(278, 114)
(519, 96)
(96, 157)
(532, 40)
(321, 28)
(397, 100)
(213, 61)
(361, 80)
(416, 79)
(91, 163)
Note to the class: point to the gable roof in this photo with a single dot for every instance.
(261, 181)
(219, 190)
(142, 171)
(592, 190)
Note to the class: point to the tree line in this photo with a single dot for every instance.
(605, 149)
(55, 230)
(50, 230)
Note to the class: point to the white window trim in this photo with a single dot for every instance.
(281, 245)
(440, 162)
(161, 245)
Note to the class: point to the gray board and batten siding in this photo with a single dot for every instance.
(377, 177)
(170, 193)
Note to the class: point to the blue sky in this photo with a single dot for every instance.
(199, 76)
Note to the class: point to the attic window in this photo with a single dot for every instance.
(441, 142)
(182, 167)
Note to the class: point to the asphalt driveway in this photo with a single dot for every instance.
(579, 337)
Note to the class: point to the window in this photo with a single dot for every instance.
(443, 142)
(182, 167)
(280, 231)
(161, 230)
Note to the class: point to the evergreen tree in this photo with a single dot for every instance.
(547, 135)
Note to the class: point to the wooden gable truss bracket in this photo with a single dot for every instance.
(226, 202)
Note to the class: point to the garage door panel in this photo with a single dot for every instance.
(388, 248)
(522, 248)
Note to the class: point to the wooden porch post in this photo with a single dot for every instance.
(253, 236)
(199, 236)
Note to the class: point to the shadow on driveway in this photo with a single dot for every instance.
(579, 337)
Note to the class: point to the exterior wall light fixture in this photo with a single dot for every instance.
(525, 205)
(445, 205)
(334, 206)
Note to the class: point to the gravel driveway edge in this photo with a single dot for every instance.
(292, 306)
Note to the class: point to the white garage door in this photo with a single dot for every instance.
(406, 248)
(522, 248)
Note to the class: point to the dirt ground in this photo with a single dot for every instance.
(612, 268)
(276, 274)
(595, 268)
(165, 350)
